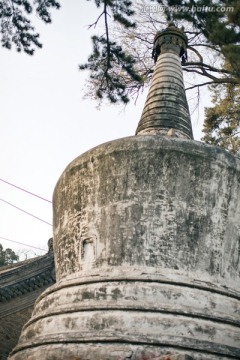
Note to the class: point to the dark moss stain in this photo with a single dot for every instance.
(87, 295)
(70, 323)
(30, 334)
(101, 293)
(116, 294)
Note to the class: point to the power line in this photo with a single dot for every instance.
(36, 217)
(40, 197)
(17, 242)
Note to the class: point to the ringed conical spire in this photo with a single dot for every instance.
(166, 109)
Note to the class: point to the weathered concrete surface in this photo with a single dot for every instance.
(146, 242)
(92, 351)
(150, 201)
(166, 106)
(173, 357)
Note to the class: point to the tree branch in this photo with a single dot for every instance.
(199, 85)
(107, 35)
(208, 46)
(96, 22)
(208, 67)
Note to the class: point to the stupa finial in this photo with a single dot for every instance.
(166, 105)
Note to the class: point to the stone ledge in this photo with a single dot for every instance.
(173, 357)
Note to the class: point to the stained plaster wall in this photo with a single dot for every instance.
(147, 245)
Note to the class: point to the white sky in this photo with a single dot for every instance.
(45, 123)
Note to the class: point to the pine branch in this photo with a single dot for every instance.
(107, 36)
(16, 27)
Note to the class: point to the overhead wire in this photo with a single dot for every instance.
(29, 192)
(26, 212)
(17, 242)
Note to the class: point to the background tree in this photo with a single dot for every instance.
(222, 122)
(212, 29)
(213, 25)
(27, 253)
(120, 64)
(15, 22)
(213, 57)
(7, 256)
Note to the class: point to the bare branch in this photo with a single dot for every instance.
(192, 32)
(96, 22)
(199, 85)
(209, 46)
(207, 67)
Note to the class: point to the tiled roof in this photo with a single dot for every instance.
(26, 276)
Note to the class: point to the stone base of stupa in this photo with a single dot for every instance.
(146, 246)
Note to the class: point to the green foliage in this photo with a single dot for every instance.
(15, 25)
(219, 25)
(7, 256)
(107, 65)
(222, 122)
(119, 68)
(111, 70)
(231, 52)
(111, 67)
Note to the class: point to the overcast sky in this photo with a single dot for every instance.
(45, 123)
